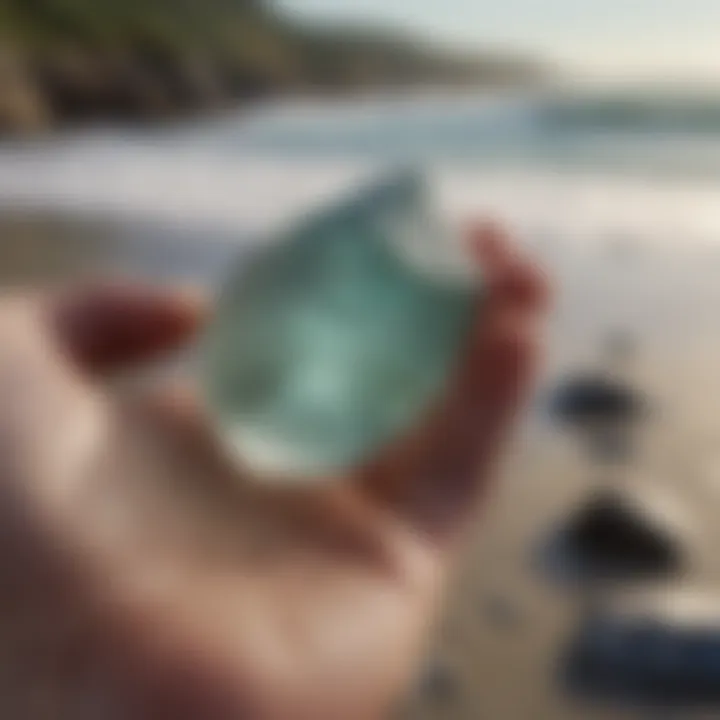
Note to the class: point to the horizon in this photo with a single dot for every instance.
(675, 40)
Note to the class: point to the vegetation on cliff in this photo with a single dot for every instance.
(89, 59)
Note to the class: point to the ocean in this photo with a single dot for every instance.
(579, 163)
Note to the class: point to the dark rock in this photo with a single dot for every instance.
(598, 399)
(82, 84)
(617, 537)
(610, 532)
(188, 81)
(660, 649)
(135, 83)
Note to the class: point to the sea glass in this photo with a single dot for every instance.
(336, 336)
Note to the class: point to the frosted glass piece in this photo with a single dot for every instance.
(335, 338)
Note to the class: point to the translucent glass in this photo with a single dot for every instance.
(335, 338)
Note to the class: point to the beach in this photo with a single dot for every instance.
(628, 251)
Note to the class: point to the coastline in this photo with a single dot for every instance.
(107, 60)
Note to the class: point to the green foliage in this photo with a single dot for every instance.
(171, 22)
(133, 54)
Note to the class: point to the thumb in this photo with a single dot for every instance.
(109, 326)
(435, 476)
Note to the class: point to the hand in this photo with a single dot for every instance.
(142, 578)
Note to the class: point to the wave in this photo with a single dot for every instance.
(212, 196)
(641, 134)
(217, 179)
(642, 113)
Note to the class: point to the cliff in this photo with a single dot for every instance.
(68, 60)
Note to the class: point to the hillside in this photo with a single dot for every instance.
(64, 60)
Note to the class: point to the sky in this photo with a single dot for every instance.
(663, 38)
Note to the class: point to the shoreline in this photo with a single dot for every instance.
(38, 125)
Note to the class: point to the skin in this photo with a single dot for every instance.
(144, 576)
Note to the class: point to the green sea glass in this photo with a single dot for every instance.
(335, 339)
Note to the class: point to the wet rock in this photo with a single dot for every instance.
(618, 536)
(609, 532)
(597, 399)
(660, 648)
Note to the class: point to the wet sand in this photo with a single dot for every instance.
(507, 626)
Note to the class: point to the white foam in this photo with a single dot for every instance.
(167, 186)
(587, 207)
(242, 194)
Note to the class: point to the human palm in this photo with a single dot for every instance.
(148, 578)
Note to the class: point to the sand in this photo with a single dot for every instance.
(499, 646)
